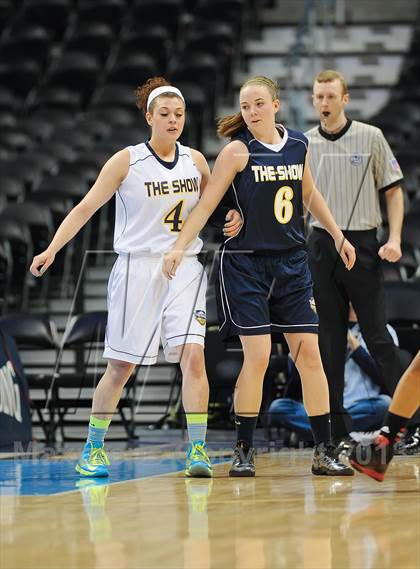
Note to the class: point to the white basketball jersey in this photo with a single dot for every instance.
(154, 200)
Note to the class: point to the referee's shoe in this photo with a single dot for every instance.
(243, 461)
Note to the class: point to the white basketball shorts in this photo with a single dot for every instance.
(145, 308)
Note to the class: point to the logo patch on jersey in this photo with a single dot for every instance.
(394, 165)
(356, 159)
(312, 304)
(200, 316)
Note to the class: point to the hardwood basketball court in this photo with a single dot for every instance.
(147, 515)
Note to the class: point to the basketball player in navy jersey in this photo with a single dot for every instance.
(156, 184)
(265, 286)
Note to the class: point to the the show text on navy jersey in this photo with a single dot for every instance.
(274, 173)
(268, 193)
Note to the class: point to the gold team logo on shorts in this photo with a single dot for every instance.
(312, 304)
(200, 316)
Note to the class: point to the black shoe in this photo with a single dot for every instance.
(372, 458)
(325, 462)
(409, 444)
(243, 461)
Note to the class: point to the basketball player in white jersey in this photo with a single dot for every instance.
(157, 184)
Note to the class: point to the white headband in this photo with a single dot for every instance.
(160, 90)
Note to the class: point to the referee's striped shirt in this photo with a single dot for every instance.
(350, 168)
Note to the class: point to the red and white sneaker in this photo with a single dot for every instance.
(372, 457)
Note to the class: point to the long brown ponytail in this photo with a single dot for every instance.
(230, 125)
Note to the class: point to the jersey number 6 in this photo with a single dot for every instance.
(283, 207)
(173, 217)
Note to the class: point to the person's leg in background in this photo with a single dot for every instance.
(291, 415)
(332, 308)
(365, 287)
(368, 414)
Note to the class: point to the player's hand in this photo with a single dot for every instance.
(171, 262)
(346, 251)
(233, 223)
(41, 262)
(352, 341)
(390, 251)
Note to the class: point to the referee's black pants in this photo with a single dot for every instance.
(334, 287)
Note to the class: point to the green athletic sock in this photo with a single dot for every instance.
(197, 426)
(97, 430)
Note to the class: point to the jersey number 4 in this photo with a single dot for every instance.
(283, 206)
(173, 217)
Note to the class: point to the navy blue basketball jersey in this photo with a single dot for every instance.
(268, 193)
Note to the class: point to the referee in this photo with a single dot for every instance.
(352, 164)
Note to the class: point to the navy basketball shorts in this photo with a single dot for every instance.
(265, 294)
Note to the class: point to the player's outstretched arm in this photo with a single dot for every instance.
(316, 204)
(107, 183)
(228, 163)
(233, 219)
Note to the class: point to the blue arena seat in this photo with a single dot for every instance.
(54, 97)
(6, 273)
(166, 13)
(76, 68)
(20, 76)
(153, 39)
(133, 68)
(110, 12)
(54, 15)
(96, 38)
(18, 235)
(27, 39)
